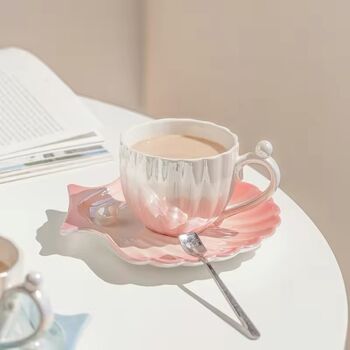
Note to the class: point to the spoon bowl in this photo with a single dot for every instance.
(192, 244)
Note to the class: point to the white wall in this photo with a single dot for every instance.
(95, 46)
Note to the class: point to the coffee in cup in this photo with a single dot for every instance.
(177, 146)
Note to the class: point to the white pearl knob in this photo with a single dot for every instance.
(33, 281)
(264, 149)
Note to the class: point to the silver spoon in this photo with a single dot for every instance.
(192, 244)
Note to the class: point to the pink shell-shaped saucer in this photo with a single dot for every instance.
(103, 210)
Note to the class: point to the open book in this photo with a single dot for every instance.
(43, 126)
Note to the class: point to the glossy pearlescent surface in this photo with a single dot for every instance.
(175, 195)
(172, 196)
(103, 210)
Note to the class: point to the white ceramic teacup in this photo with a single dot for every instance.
(172, 196)
(10, 291)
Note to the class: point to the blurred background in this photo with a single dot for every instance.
(276, 70)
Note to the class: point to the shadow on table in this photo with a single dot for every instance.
(102, 260)
(227, 319)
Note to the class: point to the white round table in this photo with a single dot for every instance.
(291, 287)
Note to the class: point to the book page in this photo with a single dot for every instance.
(36, 108)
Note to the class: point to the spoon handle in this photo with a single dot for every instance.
(242, 316)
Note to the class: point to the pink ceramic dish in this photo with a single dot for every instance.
(103, 210)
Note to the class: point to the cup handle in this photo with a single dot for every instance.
(261, 156)
(31, 287)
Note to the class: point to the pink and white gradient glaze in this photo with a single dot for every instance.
(172, 196)
(103, 210)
